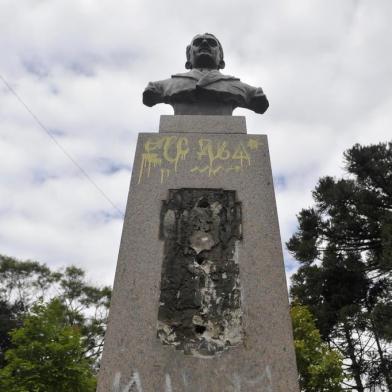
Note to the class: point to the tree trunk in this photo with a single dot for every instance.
(383, 366)
(355, 366)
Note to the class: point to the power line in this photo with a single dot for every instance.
(58, 144)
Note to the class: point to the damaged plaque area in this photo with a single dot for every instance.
(200, 300)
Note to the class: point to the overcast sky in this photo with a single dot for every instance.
(81, 66)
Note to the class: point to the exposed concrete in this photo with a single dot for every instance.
(200, 300)
(134, 358)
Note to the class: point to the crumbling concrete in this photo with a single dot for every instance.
(200, 300)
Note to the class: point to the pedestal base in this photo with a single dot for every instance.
(134, 358)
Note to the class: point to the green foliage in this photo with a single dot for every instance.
(80, 299)
(47, 355)
(344, 245)
(335, 290)
(353, 214)
(8, 322)
(382, 312)
(23, 283)
(320, 368)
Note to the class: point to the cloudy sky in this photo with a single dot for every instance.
(80, 66)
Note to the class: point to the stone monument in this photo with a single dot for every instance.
(200, 299)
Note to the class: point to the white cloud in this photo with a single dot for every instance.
(81, 66)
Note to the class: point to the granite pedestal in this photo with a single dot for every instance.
(207, 153)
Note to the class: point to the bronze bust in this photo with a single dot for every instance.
(204, 89)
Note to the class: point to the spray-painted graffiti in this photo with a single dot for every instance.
(261, 382)
(216, 157)
(133, 385)
(165, 153)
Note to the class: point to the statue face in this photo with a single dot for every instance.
(205, 52)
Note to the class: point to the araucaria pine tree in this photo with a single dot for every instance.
(344, 245)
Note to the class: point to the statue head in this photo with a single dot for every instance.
(205, 51)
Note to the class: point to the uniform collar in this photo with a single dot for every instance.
(204, 78)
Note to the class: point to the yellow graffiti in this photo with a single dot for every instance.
(236, 169)
(181, 149)
(213, 156)
(218, 153)
(148, 160)
(164, 152)
(211, 172)
(214, 152)
(197, 169)
(254, 144)
(241, 154)
(165, 173)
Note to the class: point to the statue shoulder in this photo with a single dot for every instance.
(154, 92)
(162, 91)
(257, 100)
(248, 96)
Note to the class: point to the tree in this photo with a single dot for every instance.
(320, 368)
(87, 307)
(8, 322)
(344, 245)
(47, 355)
(323, 290)
(23, 283)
